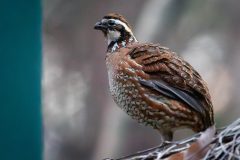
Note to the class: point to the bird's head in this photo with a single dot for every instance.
(116, 30)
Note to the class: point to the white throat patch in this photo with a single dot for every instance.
(113, 36)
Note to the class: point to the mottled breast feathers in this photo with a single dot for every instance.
(173, 77)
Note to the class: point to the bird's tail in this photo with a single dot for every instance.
(198, 149)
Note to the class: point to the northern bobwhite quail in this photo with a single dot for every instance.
(152, 84)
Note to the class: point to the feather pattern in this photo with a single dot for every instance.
(170, 75)
(152, 84)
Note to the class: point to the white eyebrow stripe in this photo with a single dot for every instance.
(119, 22)
(124, 25)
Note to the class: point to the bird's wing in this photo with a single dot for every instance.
(172, 76)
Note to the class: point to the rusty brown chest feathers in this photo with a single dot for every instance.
(156, 87)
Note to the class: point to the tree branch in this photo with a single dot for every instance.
(225, 145)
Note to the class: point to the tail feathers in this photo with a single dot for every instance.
(198, 149)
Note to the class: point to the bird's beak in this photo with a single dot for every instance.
(100, 26)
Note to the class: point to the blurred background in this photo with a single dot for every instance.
(81, 121)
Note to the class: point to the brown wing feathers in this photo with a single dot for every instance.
(173, 77)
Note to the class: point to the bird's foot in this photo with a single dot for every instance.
(169, 142)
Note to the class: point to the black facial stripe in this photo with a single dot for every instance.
(111, 23)
(119, 19)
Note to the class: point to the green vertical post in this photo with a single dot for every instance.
(20, 77)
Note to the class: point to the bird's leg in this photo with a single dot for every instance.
(167, 137)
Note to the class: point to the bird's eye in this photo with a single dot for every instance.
(111, 23)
